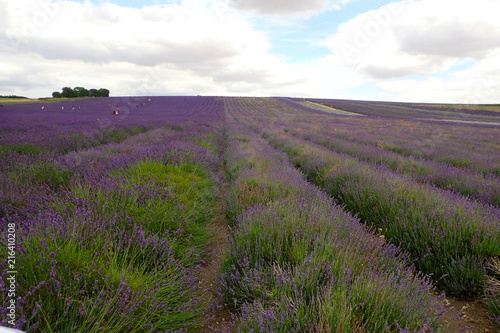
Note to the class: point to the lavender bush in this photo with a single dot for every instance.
(121, 229)
(485, 188)
(299, 263)
(447, 235)
(468, 146)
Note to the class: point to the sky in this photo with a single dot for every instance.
(441, 51)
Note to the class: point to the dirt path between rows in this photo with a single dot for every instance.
(218, 317)
(468, 317)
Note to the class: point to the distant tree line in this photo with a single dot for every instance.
(12, 96)
(80, 92)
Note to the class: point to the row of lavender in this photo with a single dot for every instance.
(462, 145)
(447, 236)
(31, 137)
(116, 243)
(478, 186)
(299, 263)
(66, 126)
(470, 146)
(366, 139)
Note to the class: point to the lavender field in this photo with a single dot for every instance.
(335, 222)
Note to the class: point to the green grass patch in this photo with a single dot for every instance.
(206, 144)
(459, 163)
(492, 305)
(175, 199)
(23, 149)
(48, 173)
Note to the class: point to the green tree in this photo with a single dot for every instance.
(68, 92)
(81, 92)
(104, 92)
(56, 94)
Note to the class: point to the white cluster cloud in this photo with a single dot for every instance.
(180, 34)
(477, 84)
(185, 47)
(181, 42)
(281, 7)
(194, 47)
(409, 48)
(417, 37)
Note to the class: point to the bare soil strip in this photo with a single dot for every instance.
(218, 317)
(467, 317)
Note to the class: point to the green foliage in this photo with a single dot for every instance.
(68, 92)
(142, 230)
(492, 305)
(95, 283)
(187, 200)
(49, 173)
(296, 264)
(205, 143)
(24, 148)
(81, 92)
(12, 96)
(99, 92)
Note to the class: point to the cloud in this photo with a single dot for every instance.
(452, 38)
(281, 7)
(417, 37)
(176, 34)
(476, 84)
(183, 48)
(191, 47)
(182, 42)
